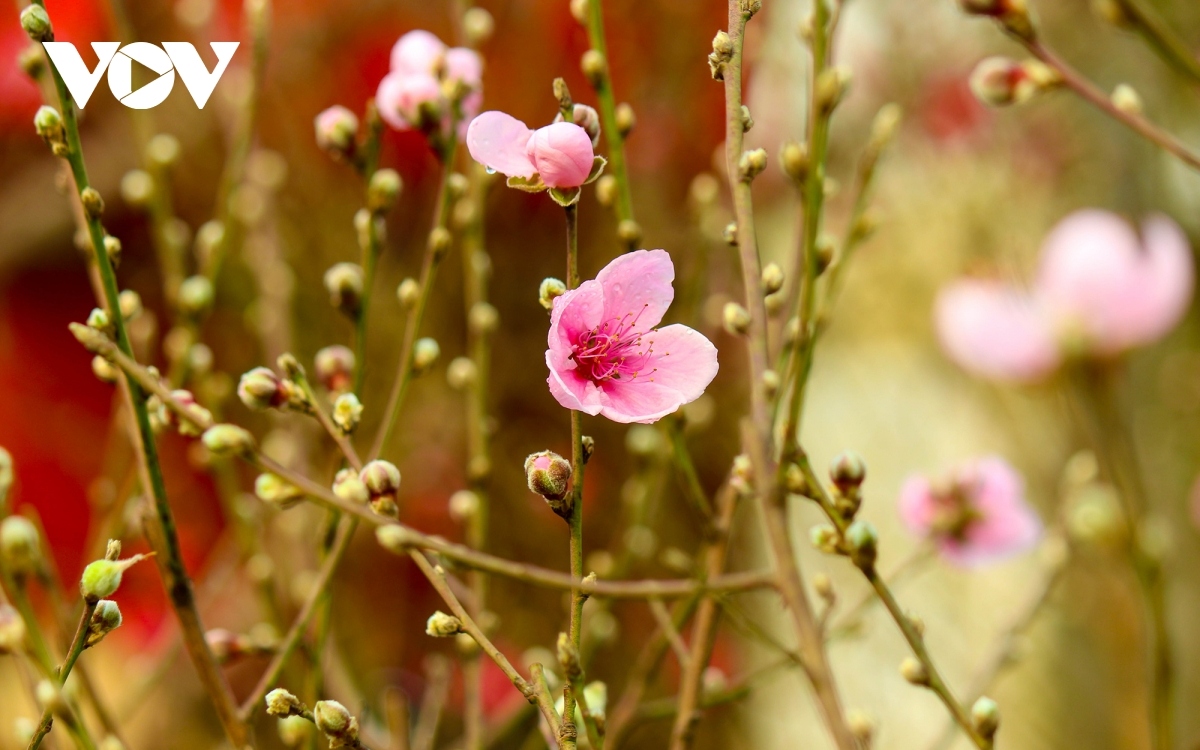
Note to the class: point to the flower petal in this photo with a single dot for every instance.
(465, 66)
(638, 284)
(917, 505)
(571, 390)
(1163, 289)
(995, 331)
(400, 96)
(497, 141)
(683, 365)
(562, 154)
(1007, 525)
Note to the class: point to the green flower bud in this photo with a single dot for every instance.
(101, 578)
(228, 440)
(549, 289)
(20, 546)
(195, 296)
(274, 490)
(49, 125)
(985, 717)
(36, 23)
(549, 474)
(862, 540)
(281, 703)
(344, 282)
(105, 619)
(335, 722)
(442, 625)
(384, 190)
(409, 293)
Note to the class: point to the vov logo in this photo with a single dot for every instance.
(118, 60)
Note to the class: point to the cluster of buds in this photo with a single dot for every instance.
(722, 53)
(859, 543)
(49, 125)
(261, 389)
(585, 117)
(382, 481)
(1012, 15)
(1002, 81)
(102, 578)
(337, 132)
(198, 419)
(347, 411)
(847, 472)
(442, 625)
(549, 475)
(348, 485)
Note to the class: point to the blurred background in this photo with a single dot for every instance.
(964, 189)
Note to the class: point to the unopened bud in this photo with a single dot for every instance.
(746, 120)
(1127, 99)
(629, 232)
(293, 730)
(831, 87)
(347, 411)
(1001, 81)
(195, 296)
(730, 234)
(795, 481)
(825, 538)
(333, 367)
(6, 475)
(105, 619)
(384, 190)
(277, 491)
(1013, 15)
(549, 475)
(587, 118)
(137, 188)
(348, 485)
(478, 26)
(1113, 11)
(594, 67)
(439, 241)
(344, 282)
(101, 578)
(823, 585)
(914, 671)
(461, 373)
(163, 150)
(795, 161)
(12, 630)
(262, 389)
(425, 352)
(770, 384)
(93, 202)
(464, 505)
(409, 293)
(752, 164)
(848, 470)
(737, 319)
(626, 119)
(442, 625)
(588, 445)
(861, 726)
(49, 125)
(382, 480)
(336, 130)
(863, 541)
(483, 318)
(20, 546)
(112, 248)
(606, 190)
(985, 717)
(336, 723)
(36, 23)
(228, 440)
(568, 657)
(772, 278)
(281, 703)
(579, 10)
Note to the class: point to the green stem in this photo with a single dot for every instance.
(78, 643)
(578, 597)
(608, 117)
(1173, 50)
(168, 559)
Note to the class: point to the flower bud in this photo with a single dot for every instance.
(293, 730)
(227, 440)
(384, 190)
(336, 130)
(747, 120)
(478, 26)
(382, 480)
(548, 474)
(20, 546)
(629, 232)
(568, 658)
(425, 352)
(349, 486)
(130, 303)
(409, 293)
(737, 319)
(752, 164)
(914, 671)
(1113, 11)
(186, 427)
(261, 389)
(49, 125)
(101, 578)
(1126, 99)
(275, 490)
(344, 282)
(772, 278)
(483, 318)
(825, 538)
(722, 45)
(163, 150)
(195, 296)
(105, 619)
(99, 320)
(606, 190)
(461, 373)
(36, 23)
(588, 445)
(579, 10)
(50, 697)
(464, 505)
(848, 470)
(862, 540)
(861, 726)
(831, 87)
(549, 289)
(105, 371)
(1013, 15)
(587, 118)
(93, 202)
(442, 625)
(439, 241)
(281, 703)
(347, 411)
(137, 188)
(12, 630)
(333, 367)
(594, 67)
(985, 717)
(626, 119)
(644, 441)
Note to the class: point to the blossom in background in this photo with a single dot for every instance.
(976, 515)
(558, 156)
(606, 357)
(1100, 290)
(425, 78)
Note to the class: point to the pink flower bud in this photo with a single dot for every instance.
(417, 51)
(336, 128)
(409, 101)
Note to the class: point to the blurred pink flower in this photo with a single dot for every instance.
(411, 96)
(560, 153)
(1100, 291)
(604, 355)
(977, 515)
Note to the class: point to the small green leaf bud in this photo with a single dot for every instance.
(985, 717)
(442, 625)
(20, 546)
(862, 540)
(36, 23)
(228, 440)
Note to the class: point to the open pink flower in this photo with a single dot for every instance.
(560, 154)
(606, 357)
(976, 515)
(1100, 290)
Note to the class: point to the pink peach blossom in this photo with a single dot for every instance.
(1100, 291)
(976, 515)
(418, 51)
(605, 356)
(560, 153)
(401, 95)
(464, 66)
